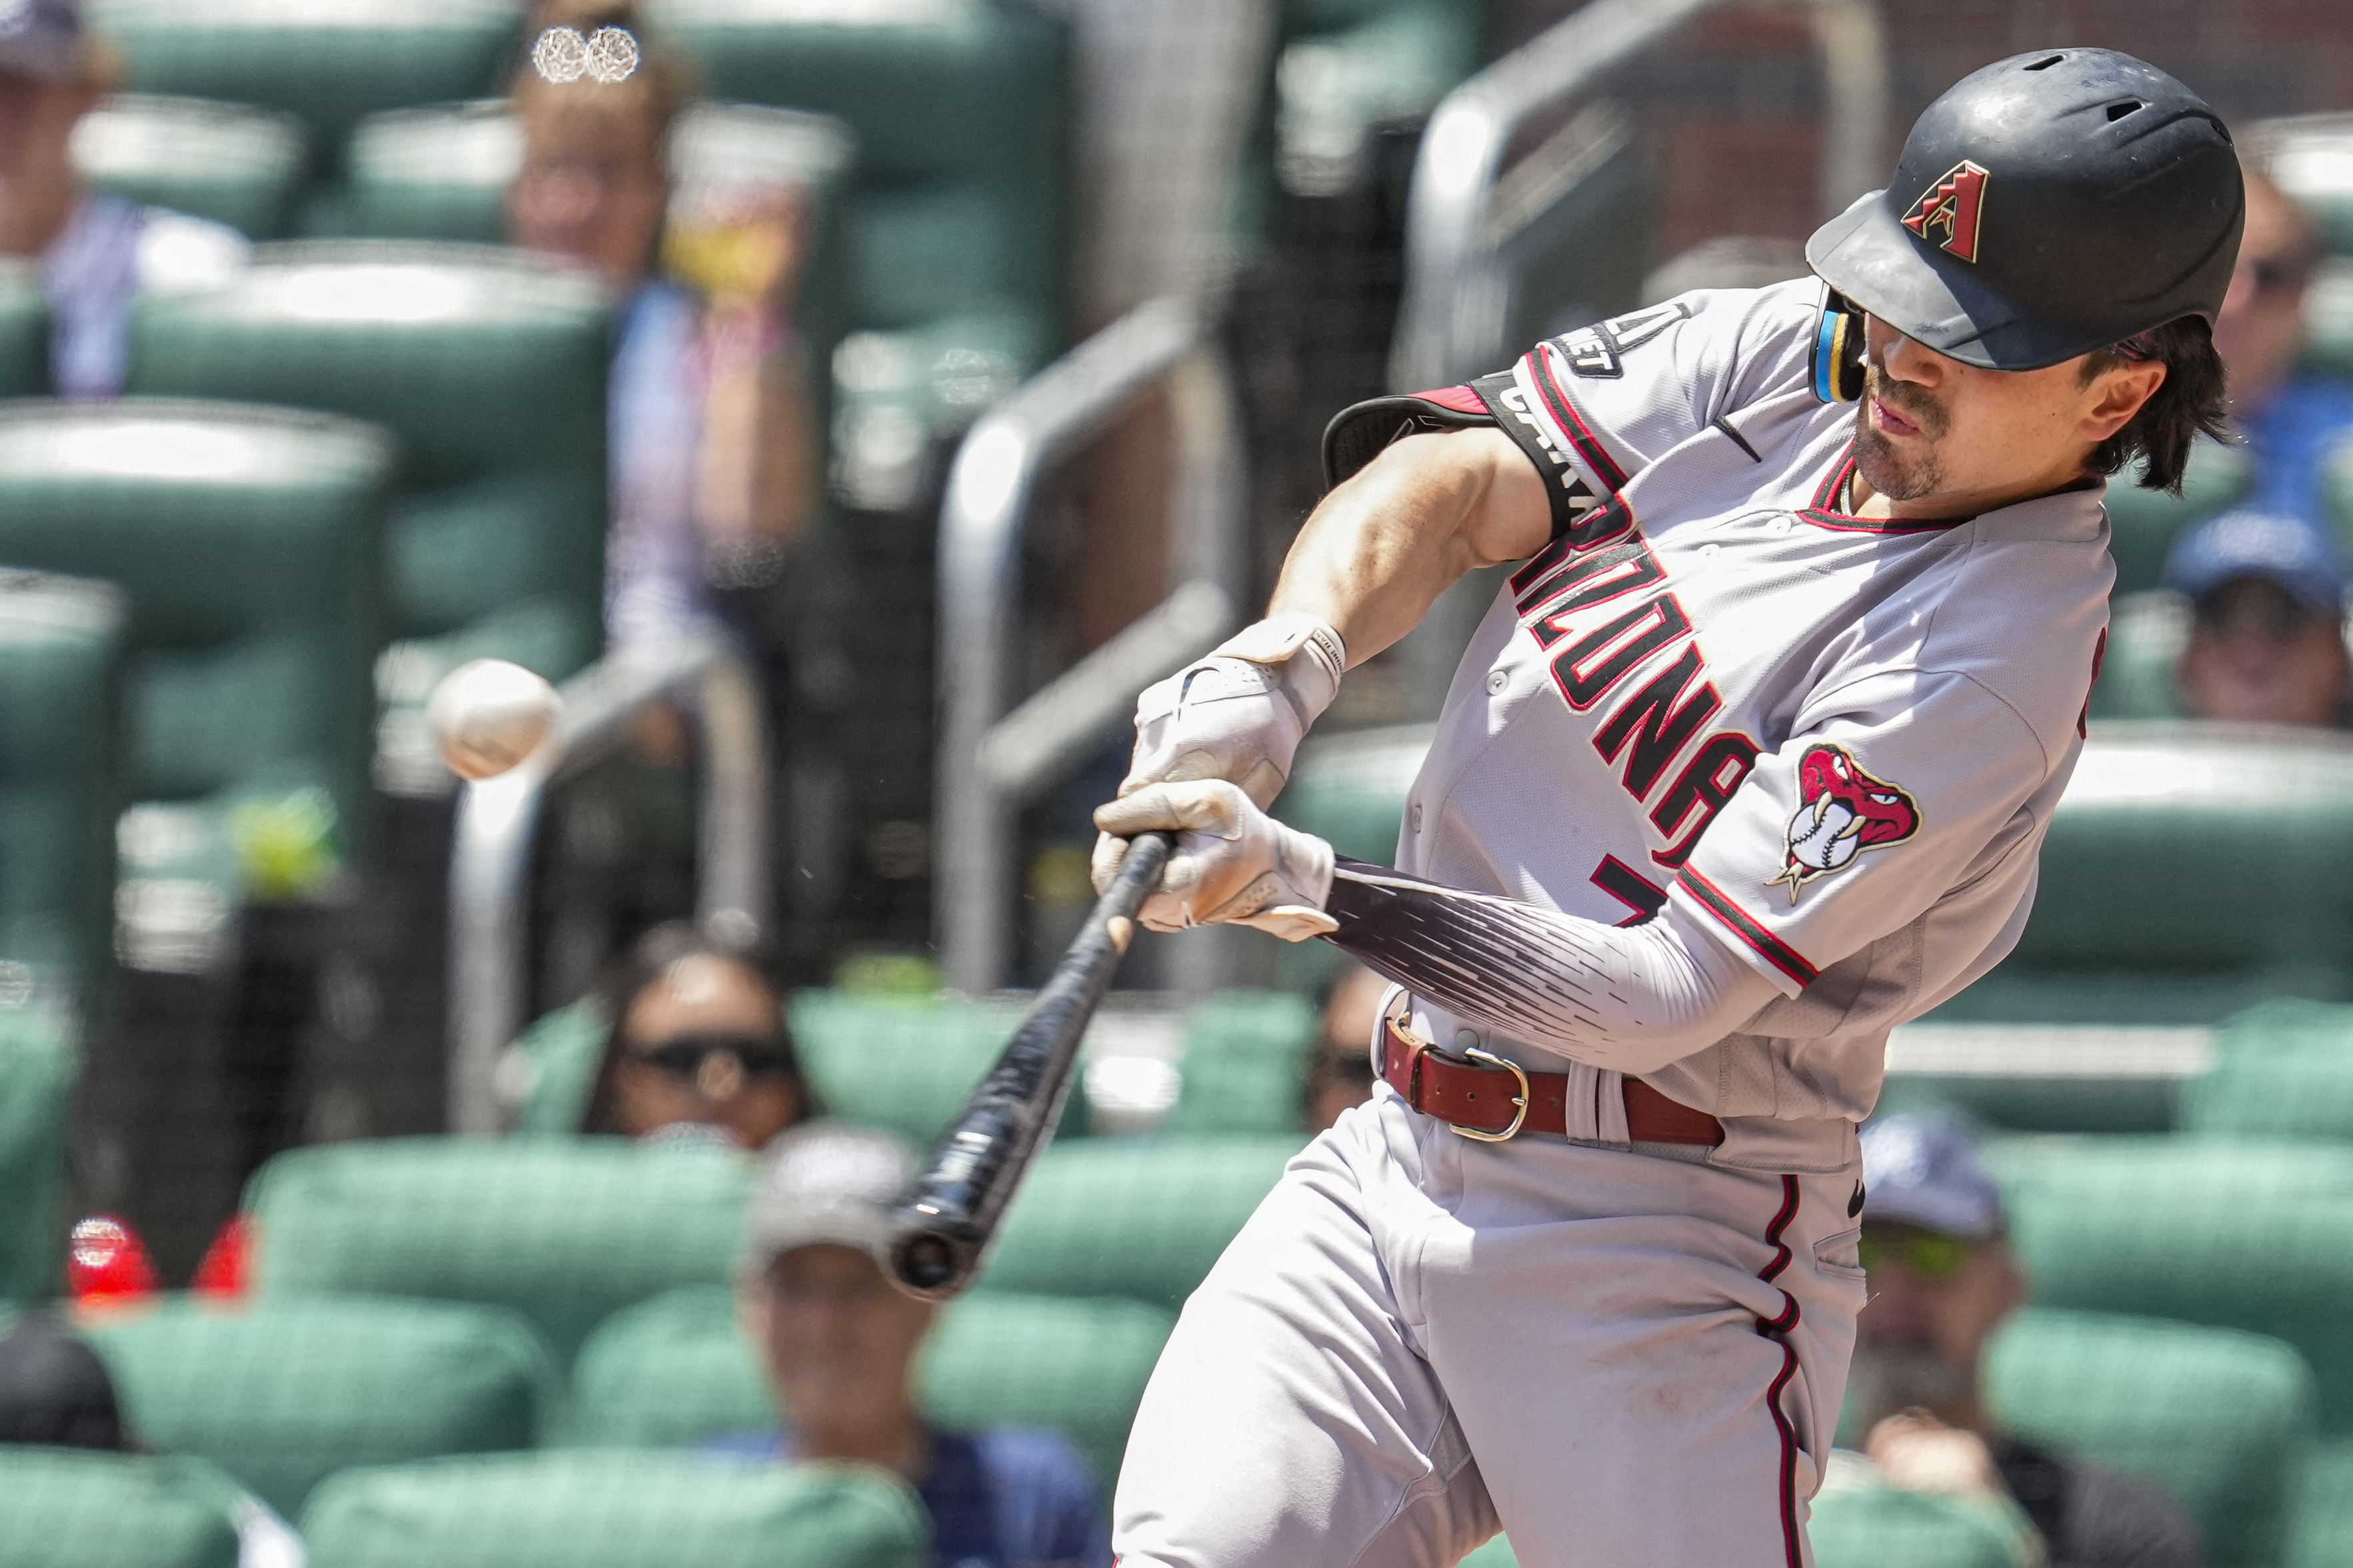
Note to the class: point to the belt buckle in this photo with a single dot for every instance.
(1520, 1100)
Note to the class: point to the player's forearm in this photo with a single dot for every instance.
(1374, 557)
(1629, 999)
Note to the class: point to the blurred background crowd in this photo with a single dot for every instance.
(852, 404)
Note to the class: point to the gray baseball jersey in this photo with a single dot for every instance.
(1833, 742)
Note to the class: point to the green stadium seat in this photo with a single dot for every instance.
(2229, 1233)
(1143, 1218)
(1496, 1554)
(39, 1067)
(2147, 633)
(74, 1507)
(2322, 1534)
(1880, 1527)
(439, 172)
(1245, 1064)
(2147, 522)
(2220, 1418)
(1349, 789)
(489, 366)
(679, 1369)
(328, 66)
(63, 778)
(904, 1064)
(2305, 155)
(565, 1231)
(249, 543)
(2282, 1069)
(614, 1510)
(282, 1394)
(958, 228)
(1343, 68)
(24, 331)
(2260, 823)
(233, 164)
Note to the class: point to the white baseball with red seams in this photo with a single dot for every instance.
(1830, 743)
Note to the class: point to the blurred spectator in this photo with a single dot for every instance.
(714, 451)
(55, 1391)
(96, 253)
(1942, 1280)
(697, 1048)
(1340, 1068)
(2267, 637)
(2288, 418)
(839, 1345)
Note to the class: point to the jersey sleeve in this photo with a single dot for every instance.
(1894, 791)
(1608, 399)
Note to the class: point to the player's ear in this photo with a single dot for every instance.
(2117, 394)
(1838, 350)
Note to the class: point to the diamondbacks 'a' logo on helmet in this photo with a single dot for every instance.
(1949, 212)
(1842, 812)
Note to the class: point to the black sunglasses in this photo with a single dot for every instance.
(682, 1055)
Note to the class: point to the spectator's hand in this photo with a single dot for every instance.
(1920, 1454)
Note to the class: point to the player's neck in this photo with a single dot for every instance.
(1864, 500)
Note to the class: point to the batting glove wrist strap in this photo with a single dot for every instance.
(1240, 712)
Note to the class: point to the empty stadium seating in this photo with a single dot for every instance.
(234, 164)
(2231, 1232)
(1244, 1064)
(2283, 1069)
(489, 367)
(614, 1510)
(72, 1508)
(329, 66)
(37, 1069)
(24, 331)
(1879, 1527)
(282, 1394)
(1140, 1218)
(63, 642)
(564, 1231)
(249, 543)
(2145, 523)
(679, 1369)
(2222, 1419)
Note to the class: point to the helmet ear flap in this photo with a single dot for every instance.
(1838, 350)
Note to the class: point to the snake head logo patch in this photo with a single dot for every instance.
(1949, 211)
(1842, 812)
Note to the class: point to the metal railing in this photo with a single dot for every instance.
(990, 760)
(1458, 292)
(498, 821)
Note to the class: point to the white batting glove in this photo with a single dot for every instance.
(1237, 715)
(1232, 861)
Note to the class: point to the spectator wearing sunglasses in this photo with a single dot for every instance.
(2290, 419)
(1941, 1279)
(697, 1048)
(2267, 630)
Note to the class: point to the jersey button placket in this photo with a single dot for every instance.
(1497, 680)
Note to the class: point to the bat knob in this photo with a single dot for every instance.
(924, 1263)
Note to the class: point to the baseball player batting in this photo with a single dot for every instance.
(1750, 762)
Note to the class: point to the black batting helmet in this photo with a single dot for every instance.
(2048, 206)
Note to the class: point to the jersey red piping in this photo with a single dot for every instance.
(1776, 1328)
(1745, 926)
(1580, 436)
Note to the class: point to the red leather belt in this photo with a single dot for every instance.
(1496, 1100)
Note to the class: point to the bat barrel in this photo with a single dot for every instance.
(943, 1230)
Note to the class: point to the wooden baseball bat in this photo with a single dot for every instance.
(942, 1233)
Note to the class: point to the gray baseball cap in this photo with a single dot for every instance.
(825, 1183)
(1923, 1170)
(41, 38)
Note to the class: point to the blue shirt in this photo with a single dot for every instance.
(2290, 437)
(1010, 1496)
(109, 252)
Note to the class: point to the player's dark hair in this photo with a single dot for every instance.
(2192, 401)
(646, 962)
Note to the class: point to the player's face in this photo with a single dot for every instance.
(838, 1340)
(1940, 438)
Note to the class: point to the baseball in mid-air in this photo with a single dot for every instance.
(488, 715)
